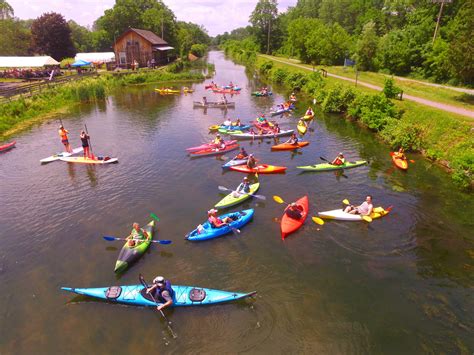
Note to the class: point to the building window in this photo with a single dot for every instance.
(123, 57)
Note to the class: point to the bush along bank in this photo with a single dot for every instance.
(15, 115)
(439, 136)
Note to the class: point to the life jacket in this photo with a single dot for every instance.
(167, 288)
(339, 161)
(215, 222)
(63, 134)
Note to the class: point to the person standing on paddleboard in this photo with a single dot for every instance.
(162, 292)
(64, 138)
(85, 145)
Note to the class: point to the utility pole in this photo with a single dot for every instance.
(439, 16)
(162, 31)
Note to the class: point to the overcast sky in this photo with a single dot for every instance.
(217, 16)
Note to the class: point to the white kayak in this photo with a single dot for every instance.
(340, 215)
(58, 156)
(82, 160)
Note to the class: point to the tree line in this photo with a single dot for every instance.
(392, 36)
(50, 34)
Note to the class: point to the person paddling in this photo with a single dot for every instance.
(293, 210)
(401, 154)
(242, 154)
(364, 209)
(162, 292)
(309, 112)
(243, 188)
(85, 145)
(64, 138)
(339, 160)
(251, 162)
(219, 142)
(136, 233)
(293, 139)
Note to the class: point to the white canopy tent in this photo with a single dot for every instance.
(26, 62)
(96, 57)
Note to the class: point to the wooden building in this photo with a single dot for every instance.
(142, 46)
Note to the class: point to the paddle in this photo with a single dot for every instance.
(143, 282)
(315, 219)
(223, 188)
(88, 139)
(365, 218)
(152, 215)
(111, 238)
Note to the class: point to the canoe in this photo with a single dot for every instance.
(128, 255)
(308, 117)
(301, 128)
(136, 295)
(8, 146)
(230, 200)
(329, 167)
(208, 232)
(214, 151)
(82, 160)
(234, 162)
(208, 145)
(289, 225)
(260, 168)
(249, 135)
(58, 156)
(214, 104)
(260, 94)
(339, 214)
(168, 91)
(289, 146)
(400, 163)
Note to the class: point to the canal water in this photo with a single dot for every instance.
(401, 284)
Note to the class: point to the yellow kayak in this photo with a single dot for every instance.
(188, 91)
(308, 117)
(168, 91)
(301, 127)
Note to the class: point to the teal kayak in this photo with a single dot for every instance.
(184, 295)
(329, 167)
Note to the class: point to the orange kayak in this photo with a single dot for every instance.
(290, 225)
(288, 146)
(260, 168)
(399, 162)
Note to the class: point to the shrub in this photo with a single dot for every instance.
(279, 75)
(296, 80)
(198, 49)
(265, 67)
(400, 133)
(390, 90)
(375, 111)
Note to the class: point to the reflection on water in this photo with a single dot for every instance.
(400, 284)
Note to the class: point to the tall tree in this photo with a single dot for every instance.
(81, 37)
(6, 11)
(51, 35)
(366, 48)
(262, 17)
(15, 37)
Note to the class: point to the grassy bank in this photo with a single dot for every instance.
(19, 114)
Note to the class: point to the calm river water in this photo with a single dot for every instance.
(402, 284)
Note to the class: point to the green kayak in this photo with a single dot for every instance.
(230, 200)
(328, 167)
(129, 255)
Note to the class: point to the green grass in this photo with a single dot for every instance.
(421, 90)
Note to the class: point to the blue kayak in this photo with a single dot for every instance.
(208, 232)
(225, 129)
(136, 295)
(234, 162)
(280, 111)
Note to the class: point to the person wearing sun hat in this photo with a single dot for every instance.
(215, 221)
(339, 160)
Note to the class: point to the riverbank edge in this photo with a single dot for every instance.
(442, 138)
(21, 114)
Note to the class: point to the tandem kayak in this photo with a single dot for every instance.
(289, 225)
(83, 160)
(260, 168)
(58, 156)
(128, 255)
(234, 162)
(250, 135)
(214, 104)
(208, 145)
(302, 128)
(208, 232)
(289, 146)
(399, 162)
(168, 91)
(8, 146)
(230, 200)
(329, 167)
(214, 151)
(136, 295)
(339, 214)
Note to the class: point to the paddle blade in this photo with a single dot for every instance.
(162, 241)
(346, 201)
(222, 188)
(412, 161)
(323, 158)
(318, 220)
(367, 219)
(388, 209)
(154, 217)
(261, 197)
(109, 238)
(142, 280)
(278, 199)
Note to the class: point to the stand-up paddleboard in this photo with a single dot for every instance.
(58, 156)
(83, 160)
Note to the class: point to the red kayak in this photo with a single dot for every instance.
(290, 225)
(260, 168)
(208, 145)
(288, 146)
(214, 151)
(225, 91)
(399, 162)
(5, 147)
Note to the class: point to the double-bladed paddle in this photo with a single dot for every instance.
(223, 188)
(315, 219)
(365, 218)
(112, 238)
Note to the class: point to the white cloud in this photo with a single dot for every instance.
(216, 16)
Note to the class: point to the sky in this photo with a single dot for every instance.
(217, 16)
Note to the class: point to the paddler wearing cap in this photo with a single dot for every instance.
(243, 188)
(339, 160)
(162, 292)
(64, 138)
(215, 221)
